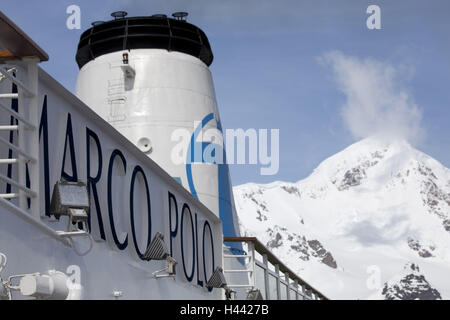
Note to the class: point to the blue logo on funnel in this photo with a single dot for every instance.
(195, 155)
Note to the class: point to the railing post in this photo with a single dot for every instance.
(296, 289)
(288, 287)
(21, 165)
(303, 292)
(33, 111)
(251, 249)
(266, 276)
(277, 272)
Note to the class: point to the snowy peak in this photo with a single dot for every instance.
(377, 202)
(373, 159)
(409, 285)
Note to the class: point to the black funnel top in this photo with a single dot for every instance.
(154, 32)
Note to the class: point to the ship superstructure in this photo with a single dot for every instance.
(92, 205)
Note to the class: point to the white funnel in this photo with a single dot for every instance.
(148, 77)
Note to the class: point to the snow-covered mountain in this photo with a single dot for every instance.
(371, 222)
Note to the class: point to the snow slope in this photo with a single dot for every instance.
(363, 214)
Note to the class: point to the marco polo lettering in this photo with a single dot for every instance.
(113, 178)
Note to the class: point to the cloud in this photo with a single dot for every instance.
(368, 233)
(377, 101)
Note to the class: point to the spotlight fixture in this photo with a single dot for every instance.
(217, 279)
(157, 250)
(70, 199)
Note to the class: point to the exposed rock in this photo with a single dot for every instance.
(261, 217)
(329, 261)
(436, 200)
(276, 238)
(411, 286)
(291, 190)
(302, 248)
(421, 250)
(307, 249)
(425, 171)
(317, 247)
(262, 206)
(320, 252)
(275, 243)
(446, 224)
(352, 178)
(377, 154)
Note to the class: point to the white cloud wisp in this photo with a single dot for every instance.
(377, 102)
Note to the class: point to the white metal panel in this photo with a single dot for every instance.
(107, 269)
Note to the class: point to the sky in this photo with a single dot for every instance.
(311, 69)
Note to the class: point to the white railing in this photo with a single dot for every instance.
(248, 270)
(22, 152)
(265, 272)
(25, 148)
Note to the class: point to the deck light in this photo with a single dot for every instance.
(70, 199)
(217, 279)
(157, 250)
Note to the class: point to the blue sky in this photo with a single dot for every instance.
(267, 68)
